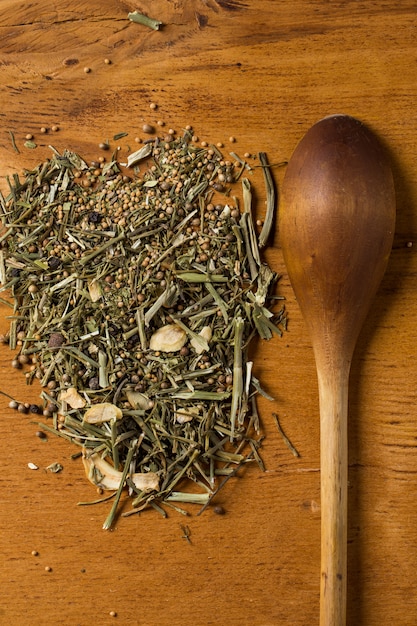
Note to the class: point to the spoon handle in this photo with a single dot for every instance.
(333, 395)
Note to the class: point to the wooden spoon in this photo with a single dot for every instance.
(337, 223)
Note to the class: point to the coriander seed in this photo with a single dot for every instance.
(148, 129)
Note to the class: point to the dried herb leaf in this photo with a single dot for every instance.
(139, 18)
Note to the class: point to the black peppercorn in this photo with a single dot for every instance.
(54, 262)
(219, 510)
(94, 217)
(56, 340)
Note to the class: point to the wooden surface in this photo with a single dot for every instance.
(263, 72)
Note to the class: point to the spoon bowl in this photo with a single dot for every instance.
(336, 224)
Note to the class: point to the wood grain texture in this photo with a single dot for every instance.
(263, 72)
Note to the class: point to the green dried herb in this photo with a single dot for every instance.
(13, 140)
(139, 18)
(284, 436)
(119, 136)
(97, 265)
(270, 201)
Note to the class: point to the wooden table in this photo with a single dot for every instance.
(262, 72)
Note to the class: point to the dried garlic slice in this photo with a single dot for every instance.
(169, 338)
(103, 412)
(206, 334)
(73, 398)
(102, 474)
(138, 400)
(187, 414)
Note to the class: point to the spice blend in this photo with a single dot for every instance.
(134, 301)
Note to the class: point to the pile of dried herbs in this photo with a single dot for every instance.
(134, 301)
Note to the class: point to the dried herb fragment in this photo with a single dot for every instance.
(270, 201)
(284, 436)
(13, 140)
(55, 468)
(139, 18)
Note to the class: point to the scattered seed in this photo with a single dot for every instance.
(148, 129)
(41, 434)
(107, 61)
(35, 553)
(219, 510)
(87, 70)
(48, 568)
(153, 106)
